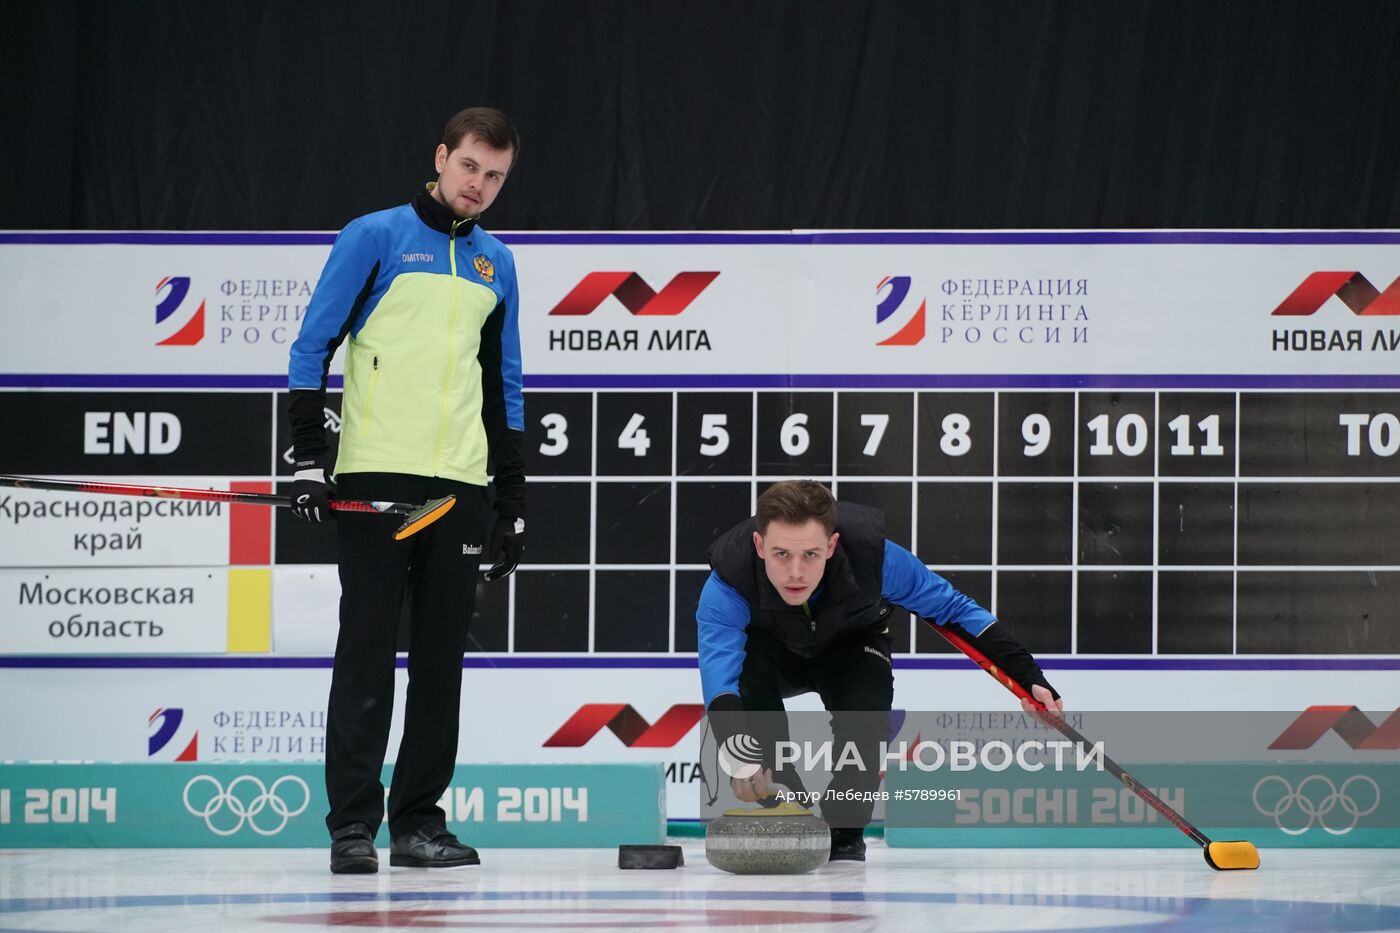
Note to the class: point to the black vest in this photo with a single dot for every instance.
(849, 600)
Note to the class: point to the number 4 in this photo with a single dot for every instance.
(635, 436)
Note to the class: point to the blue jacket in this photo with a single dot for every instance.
(430, 307)
(725, 612)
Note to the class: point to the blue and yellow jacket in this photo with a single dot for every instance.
(432, 364)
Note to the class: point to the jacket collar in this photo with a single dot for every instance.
(436, 215)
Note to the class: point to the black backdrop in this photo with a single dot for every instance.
(717, 115)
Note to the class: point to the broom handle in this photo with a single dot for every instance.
(1058, 721)
(200, 495)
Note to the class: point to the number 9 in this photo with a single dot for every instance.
(1036, 430)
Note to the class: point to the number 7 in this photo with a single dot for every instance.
(877, 424)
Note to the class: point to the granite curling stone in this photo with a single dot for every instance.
(781, 840)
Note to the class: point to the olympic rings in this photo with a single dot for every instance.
(247, 811)
(1316, 811)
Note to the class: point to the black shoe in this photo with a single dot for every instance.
(432, 846)
(847, 845)
(352, 851)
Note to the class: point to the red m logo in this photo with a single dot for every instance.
(1355, 728)
(634, 293)
(627, 724)
(1352, 287)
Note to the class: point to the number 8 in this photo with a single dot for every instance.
(955, 441)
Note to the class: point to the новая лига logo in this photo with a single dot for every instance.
(627, 724)
(634, 293)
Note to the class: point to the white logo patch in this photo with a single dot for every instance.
(471, 549)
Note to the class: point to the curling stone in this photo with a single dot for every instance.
(780, 840)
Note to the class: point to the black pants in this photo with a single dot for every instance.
(437, 570)
(855, 681)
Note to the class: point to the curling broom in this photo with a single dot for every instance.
(1222, 856)
(418, 516)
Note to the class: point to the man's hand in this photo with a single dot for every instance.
(752, 789)
(1046, 698)
(311, 495)
(506, 548)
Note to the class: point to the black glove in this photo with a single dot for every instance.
(311, 494)
(727, 717)
(507, 545)
(1008, 654)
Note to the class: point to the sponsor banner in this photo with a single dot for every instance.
(169, 308)
(275, 711)
(48, 528)
(283, 805)
(949, 303)
(1272, 804)
(913, 768)
(115, 611)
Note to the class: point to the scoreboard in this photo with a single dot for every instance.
(1133, 522)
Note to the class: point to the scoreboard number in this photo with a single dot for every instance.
(634, 436)
(794, 437)
(1035, 430)
(1131, 435)
(877, 424)
(1209, 426)
(955, 441)
(715, 434)
(556, 438)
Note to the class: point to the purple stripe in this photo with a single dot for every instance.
(1108, 237)
(643, 238)
(687, 662)
(166, 238)
(959, 381)
(831, 238)
(149, 381)
(750, 381)
(469, 661)
(1237, 663)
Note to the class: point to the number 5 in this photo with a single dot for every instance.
(716, 437)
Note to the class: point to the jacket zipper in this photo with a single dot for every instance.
(451, 350)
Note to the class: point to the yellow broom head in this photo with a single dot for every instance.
(424, 516)
(1229, 856)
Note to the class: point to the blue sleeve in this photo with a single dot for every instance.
(511, 380)
(722, 621)
(911, 585)
(351, 262)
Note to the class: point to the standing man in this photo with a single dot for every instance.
(798, 601)
(429, 303)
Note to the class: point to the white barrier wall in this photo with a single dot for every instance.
(1169, 461)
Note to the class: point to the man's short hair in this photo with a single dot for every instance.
(796, 502)
(485, 123)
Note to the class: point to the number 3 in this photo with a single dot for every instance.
(556, 437)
